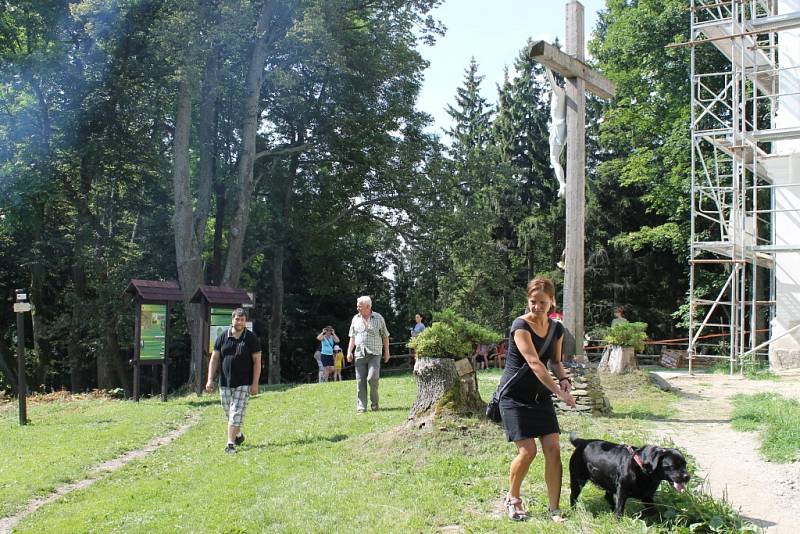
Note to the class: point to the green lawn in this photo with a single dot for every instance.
(311, 464)
(65, 439)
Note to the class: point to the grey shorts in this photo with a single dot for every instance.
(234, 402)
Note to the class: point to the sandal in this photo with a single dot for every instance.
(514, 513)
(555, 515)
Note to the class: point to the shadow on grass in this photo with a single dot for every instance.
(204, 401)
(638, 414)
(302, 441)
(648, 416)
(395, 409)
(278, 387)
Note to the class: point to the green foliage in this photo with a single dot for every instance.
(440, 340)
(695, 510)
(627, 335)
(777, 420)
(451, 336)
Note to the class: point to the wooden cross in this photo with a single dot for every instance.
(579, 77)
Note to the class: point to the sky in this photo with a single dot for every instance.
(494, 31)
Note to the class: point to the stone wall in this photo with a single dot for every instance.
(586, 389)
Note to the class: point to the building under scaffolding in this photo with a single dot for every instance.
(745, 214)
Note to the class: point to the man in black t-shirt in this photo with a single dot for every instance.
(240, 352)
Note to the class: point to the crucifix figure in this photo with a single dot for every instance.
(579, 78)
(558, 129)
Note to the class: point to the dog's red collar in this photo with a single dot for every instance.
(636, 457)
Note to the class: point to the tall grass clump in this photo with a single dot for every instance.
(777, 420)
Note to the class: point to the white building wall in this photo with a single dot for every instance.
(785, 352)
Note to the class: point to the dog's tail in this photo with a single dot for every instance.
(576, 441)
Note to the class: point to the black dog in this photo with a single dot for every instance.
(624, 471)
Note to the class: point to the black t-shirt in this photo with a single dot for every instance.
(237, 358)
(526, 388)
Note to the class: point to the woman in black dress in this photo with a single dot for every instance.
(526, 406)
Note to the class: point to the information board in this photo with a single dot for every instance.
(153, 331)
(220, 320)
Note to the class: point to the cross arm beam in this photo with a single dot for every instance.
(569, 67)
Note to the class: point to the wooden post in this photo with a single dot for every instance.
(137, 344)
(165, 365)
(576, 177)
(579, 77)
(22, 385)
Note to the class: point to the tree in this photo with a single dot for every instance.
(346, 140)
(641, 189)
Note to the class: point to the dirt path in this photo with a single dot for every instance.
(98, 472)
(767, 494)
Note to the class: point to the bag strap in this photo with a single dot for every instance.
(551, 329)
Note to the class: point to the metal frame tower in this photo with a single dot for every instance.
(733, 188)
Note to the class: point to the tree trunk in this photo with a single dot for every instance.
(215, 269)
(618, 360)
(241, 214)
(444, 386)
(6, 365)
(105, 371)
(77, 365)
(117, 359)
(276, 321)
(39, 325)
(278, 258)
(187, 247)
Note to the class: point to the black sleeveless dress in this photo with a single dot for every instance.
(526, 406)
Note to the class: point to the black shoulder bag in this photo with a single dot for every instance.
(493, 407)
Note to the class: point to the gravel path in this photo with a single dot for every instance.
(767, 494)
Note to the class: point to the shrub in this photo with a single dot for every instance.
(627, 335)
(451, 336)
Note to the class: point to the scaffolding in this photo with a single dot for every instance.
(735, 92)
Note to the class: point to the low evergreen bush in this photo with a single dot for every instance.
(451, 336)
(627, 335)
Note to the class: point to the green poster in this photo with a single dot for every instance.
(220, 320)
(153, 331)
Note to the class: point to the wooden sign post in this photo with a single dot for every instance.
(579, 77)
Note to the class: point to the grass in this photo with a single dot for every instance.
(311, 464)
(777, 419)
(632, 395)
(65, 438)
(752, 370)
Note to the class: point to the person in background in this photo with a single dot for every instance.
(500, 358)
(415, 331)
(481, 356)
(368, 339)
(320, 367)
(327, 339)
(526, 406)
(619, 316)
(555, 314)
(237, 353)
(338, 363)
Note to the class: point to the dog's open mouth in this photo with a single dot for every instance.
(679, 486)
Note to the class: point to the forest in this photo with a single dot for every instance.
(276, 146)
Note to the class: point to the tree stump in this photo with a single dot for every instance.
(444, 386)
(618, 360)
